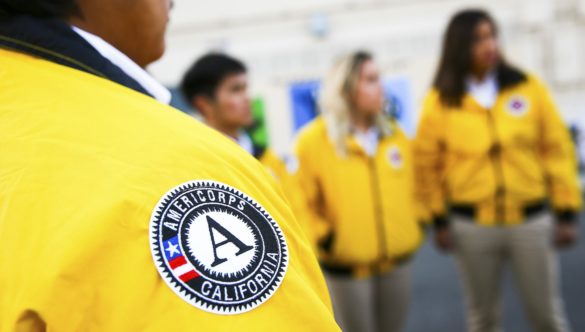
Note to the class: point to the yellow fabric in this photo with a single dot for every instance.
(463, 155)
(83, 162)
(274, 164)
(291, 190)
(367, 203)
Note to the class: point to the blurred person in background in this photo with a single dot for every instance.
(498, 171)
(94, 168)
(216, 86)
(355, 169)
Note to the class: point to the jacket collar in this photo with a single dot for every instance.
(55, 41)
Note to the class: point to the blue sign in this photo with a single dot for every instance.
(304, 102)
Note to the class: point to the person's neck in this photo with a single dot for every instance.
(96, 30)
(233, 133)
(362, 123)
(479, 75)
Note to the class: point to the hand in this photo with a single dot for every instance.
(565, 235)
(443, 239)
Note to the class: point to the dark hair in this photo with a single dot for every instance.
(207, 73)
(37, 8)
(456, 58)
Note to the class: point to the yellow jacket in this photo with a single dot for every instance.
(274, 164)
(497, 161)
(291, 189)
(87, 216)
(361, 208)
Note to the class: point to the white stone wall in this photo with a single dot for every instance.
(284, 41)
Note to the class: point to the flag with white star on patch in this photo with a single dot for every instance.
(177, 261)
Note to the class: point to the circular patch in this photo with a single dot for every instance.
(517, 106)
(395, 157)
(217, 248)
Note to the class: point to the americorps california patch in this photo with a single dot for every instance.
(217, 248)
(395, 157)
(518, 105)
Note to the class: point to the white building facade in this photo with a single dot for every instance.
(290, 41)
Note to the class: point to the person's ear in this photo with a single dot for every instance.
(203, 105)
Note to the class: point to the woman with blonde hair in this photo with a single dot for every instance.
(355, 170)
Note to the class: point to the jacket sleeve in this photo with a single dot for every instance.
(559, 158)
(422, 211)
(294, 195)
(306, 176)
(429, 163)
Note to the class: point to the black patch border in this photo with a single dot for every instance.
(178, 286)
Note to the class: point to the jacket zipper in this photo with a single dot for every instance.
(496, 158)
(378, 208)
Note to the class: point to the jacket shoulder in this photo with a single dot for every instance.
(313, 132)
(124, 126)
(431, 101)
(114, 155)
(534, 81)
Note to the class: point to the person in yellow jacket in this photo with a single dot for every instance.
(494, 159)
(119, 213)
(216, 86)
(355, 169)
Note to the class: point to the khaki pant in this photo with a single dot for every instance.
(375, 304)
(482, 253)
